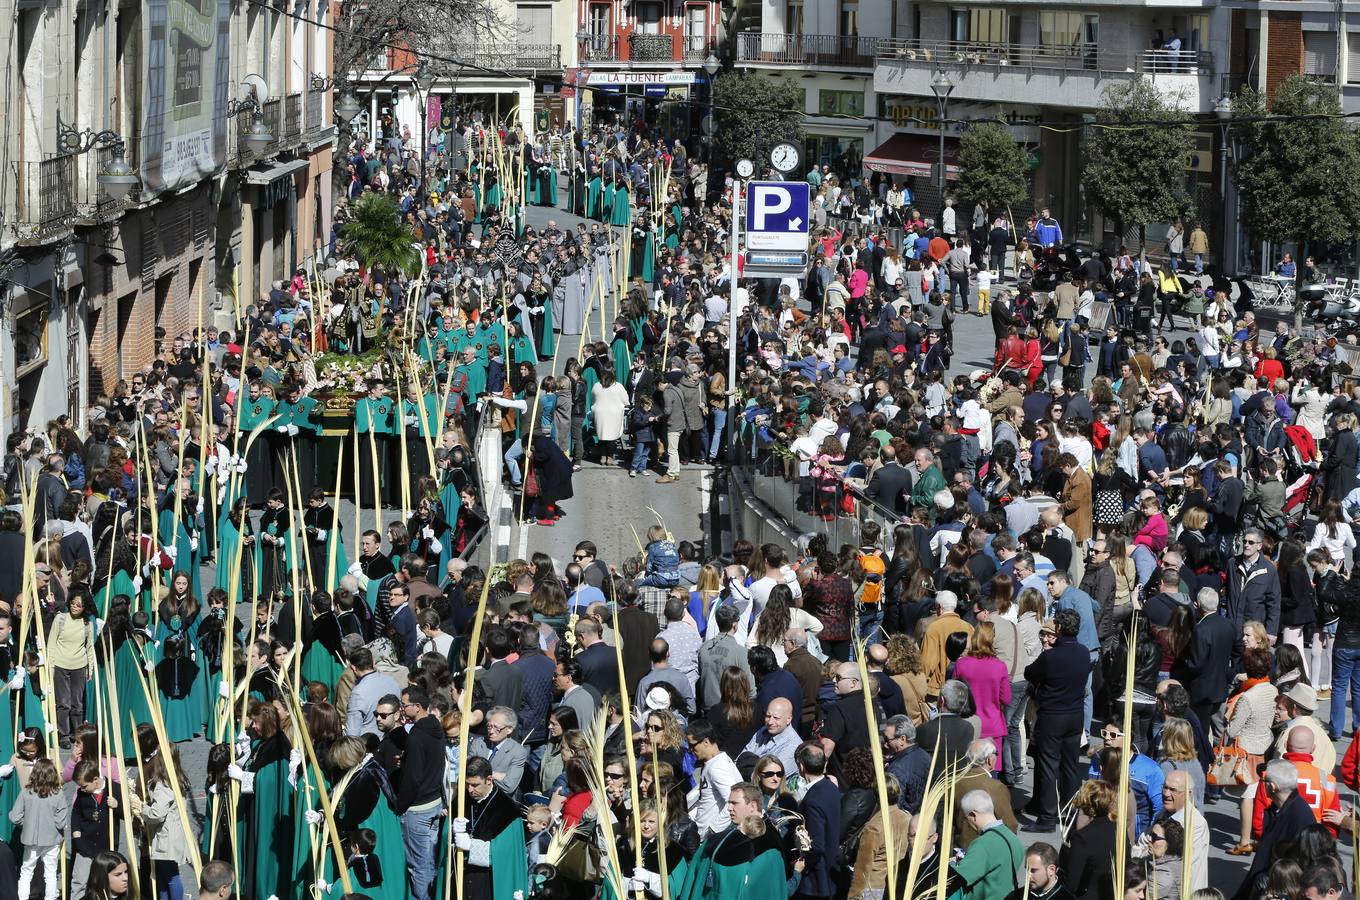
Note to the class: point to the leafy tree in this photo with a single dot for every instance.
(1298, 180)
(1135, 173)
(993, 166)
(753, 113)
(375, 236)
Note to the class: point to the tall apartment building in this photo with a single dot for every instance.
(85, 277)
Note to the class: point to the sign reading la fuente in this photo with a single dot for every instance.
(662, 78)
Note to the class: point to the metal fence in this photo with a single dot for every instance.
(45, 198)
(835, 50)
(1088, 57)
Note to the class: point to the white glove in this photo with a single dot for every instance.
(410, 421)
(321, 534)
(210, 466)
(149, 665)
(463, 841)
(242, 747)
(435, 546)
(322, 886)
(224, 691)
(313, 817)
(636, 884)
(247, 779)
(18, 682)
(6, 770)
(146, 571)
(427, 533)
(282, 429)
(294, 766)
(42, 658)
(240, 465)
(292, 430)
(193, 543)
(460, 825)
(200, 506)
(356, 569)
(136, 584)
(171, 551)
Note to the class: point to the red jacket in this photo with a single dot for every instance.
(1315, 786)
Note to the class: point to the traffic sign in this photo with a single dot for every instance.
(777, 215)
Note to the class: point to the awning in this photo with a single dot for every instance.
(913, 154)
(276, 171)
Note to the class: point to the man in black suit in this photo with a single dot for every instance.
(821, 812)
(641, 378)
(947, 736)
(1208, 659)
(1058, 681)
(1003, 316)
(502, 682)
(599, 665)
(891, 482)
(1288, 816)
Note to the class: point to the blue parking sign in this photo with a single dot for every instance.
(777, 215)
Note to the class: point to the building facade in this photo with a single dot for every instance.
(86, 279)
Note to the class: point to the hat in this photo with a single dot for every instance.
(1303, 695)
(899, 349)
(658, 698)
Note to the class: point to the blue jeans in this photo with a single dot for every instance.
(1086, 705)
(1012, 761)
(169, 886)
(641, 450)
(420, 834)
(512, 457)
(717, 421)
(870, 622)
(1345, 680)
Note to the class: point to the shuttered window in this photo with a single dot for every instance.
(1353, 57)
(1319, 54)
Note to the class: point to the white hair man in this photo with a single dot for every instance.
(934, 660)
(1208, 658)
(988, 869)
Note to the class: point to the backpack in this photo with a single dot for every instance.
(874, 568)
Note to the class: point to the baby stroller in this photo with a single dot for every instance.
(1300, 475)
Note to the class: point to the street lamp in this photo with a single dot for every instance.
(116, 178)
(711, 66)
(423, 80)
(942, 87)
(1223, 109)
(257, 135)
(347, 107)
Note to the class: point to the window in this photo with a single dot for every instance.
(842, 103)
(534, 24)
(649, 17)
(1063, 30)
(1353, 57)
(696, 30)
(599, 19)
(849, 18)
(793, 17)
(1319, 55)
(983, 25)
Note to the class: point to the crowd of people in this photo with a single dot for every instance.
(1096, 590)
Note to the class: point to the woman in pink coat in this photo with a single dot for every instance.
(990, 682)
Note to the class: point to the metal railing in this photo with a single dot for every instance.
(834, 50)
(697, 47)
(92, 202)
(45, 198)
(292, 118)
(1078, 58)
(599, 47)
(836, 507)
(651, 47)
(316, 110)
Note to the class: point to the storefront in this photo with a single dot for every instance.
(660, 101)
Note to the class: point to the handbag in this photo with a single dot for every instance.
(1231, 766)
(580, 860)
(531, 486)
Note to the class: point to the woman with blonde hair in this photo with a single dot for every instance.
(706, 590)
(364, 798)
(1176, 753)
(990, 681)
(904, 667)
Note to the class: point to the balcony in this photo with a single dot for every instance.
(44, 198)
(697, 47)
(1060, 76)
(292, 120)
(823, 51)
(599, 48)
(92, 203)
(644, 49)
(651, 47)
(316, 111)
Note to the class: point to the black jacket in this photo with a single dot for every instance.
(1342, 599)
(90, 820)
(1058, 677)
(888, 485)
(422, 765)
(1207, 662)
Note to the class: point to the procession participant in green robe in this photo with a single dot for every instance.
(180, 540)
(418, 421)
(473, 374)
(177, 677)
(492, 835)
(321, 635)
(521, 347)
(622, 349)
(236, 535)
(373, 422)
(276, 547)
(594, 189)
(745, 861)
(365, 801)
(647, 877)
(622, 213)
(266, 804)
(133, 657)
(211, 640)
(431, 536)
(257, 409)
(301, 418)
(321, 527)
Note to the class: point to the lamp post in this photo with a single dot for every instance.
(942, 87)
(711, 67)
(117, 178)
(423, 80)
(1227, 256)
